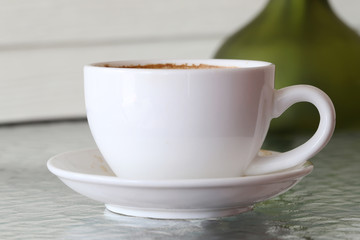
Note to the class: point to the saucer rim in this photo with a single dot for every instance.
(299, 171)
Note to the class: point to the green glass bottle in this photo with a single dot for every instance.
(308, 44)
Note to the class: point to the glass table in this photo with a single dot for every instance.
(35, 204)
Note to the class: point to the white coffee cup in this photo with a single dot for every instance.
(194, 123)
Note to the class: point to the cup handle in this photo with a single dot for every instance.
(283, 99)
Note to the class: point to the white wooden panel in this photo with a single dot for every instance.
(47, 21)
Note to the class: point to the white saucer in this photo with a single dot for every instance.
(86, 172)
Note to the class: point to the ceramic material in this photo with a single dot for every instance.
(194, 123)
(86, 172)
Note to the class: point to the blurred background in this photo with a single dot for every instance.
(44, 44)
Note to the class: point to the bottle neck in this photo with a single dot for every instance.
(297, 15)
(296, 6)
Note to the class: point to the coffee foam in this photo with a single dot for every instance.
(169, 66)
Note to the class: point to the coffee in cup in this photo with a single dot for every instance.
(166, 66)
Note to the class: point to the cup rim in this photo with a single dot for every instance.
(229, 64)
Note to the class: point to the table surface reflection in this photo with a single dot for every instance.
(34, 204)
